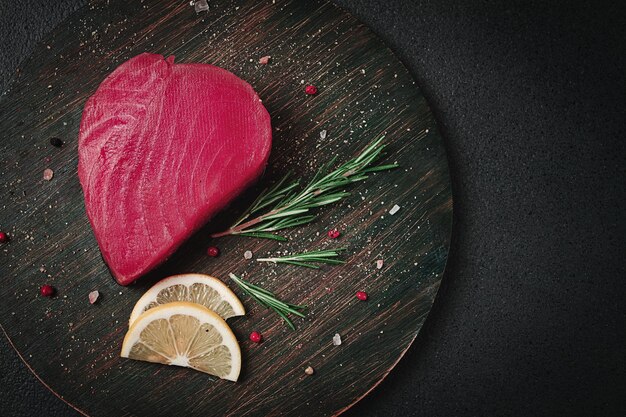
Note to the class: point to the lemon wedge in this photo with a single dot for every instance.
(184, 334)
(195, 288)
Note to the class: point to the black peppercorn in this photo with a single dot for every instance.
(56, 142)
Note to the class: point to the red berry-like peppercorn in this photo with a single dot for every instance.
(256, 337)
(334, 234)
(4, 237)
(361, 295)
(310, 90)
(47, 290)
(213, 251)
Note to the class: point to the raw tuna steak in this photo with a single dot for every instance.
(162, 148)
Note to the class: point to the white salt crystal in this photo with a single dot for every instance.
(394, 209)
(201, 6)
(323, 134)
(247, 254)
(336, 339)
(379, 264)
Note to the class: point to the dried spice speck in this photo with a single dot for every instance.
(336, 339)
(247, 254)
(48, 174)
(213, 251)
(264, 60)
(309, 370)
(56, 142)
(93, 296)
(47, 290)
(333, 234)
(256, 337)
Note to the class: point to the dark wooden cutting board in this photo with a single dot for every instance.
(364, 91)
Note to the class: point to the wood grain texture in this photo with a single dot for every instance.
(364, 92)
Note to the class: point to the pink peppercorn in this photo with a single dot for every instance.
(4, 237)
(310, 90)
(47, 290)
(213, 251)
(256, 337)
(334, 234)
(361, 295)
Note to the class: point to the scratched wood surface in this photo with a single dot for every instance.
(73, 347)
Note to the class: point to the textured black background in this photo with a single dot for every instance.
(531, 99)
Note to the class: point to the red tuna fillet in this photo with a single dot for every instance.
(162, 148)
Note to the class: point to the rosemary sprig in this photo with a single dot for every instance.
(282, 206)
(307, 259)
(269, 300)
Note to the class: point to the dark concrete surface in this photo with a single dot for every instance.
(531, 315)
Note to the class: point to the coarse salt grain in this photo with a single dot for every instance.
(336, 339)
(309, 370)
(323, 134)
(247, 254)
(394, 209)
(93, 296)
(379, 264)
(200, 6)
(48, 174)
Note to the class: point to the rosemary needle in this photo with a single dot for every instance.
(283, 206)
(269, 300)
(308, 259)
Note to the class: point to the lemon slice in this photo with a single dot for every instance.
(195, 288)
(184, 334)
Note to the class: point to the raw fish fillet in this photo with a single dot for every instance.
(162, 148)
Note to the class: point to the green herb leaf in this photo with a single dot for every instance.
(308, 259)
(282, 206)
(268, 300)
(264, 235)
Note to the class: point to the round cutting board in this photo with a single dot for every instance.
(364, 92)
